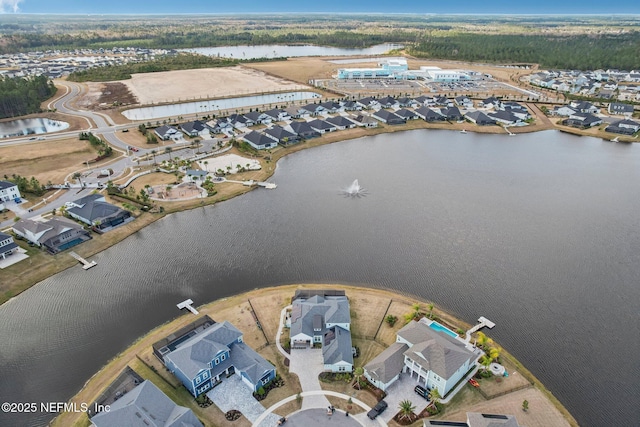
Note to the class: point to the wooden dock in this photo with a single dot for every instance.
(482, 322)
(188, 305)
(85, 264)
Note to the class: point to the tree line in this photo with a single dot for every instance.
(20, 96)
(578, 52)
(181, 61)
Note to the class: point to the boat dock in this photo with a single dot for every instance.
(85, 264)
(188, 305)
(482, 322)
(251, 183)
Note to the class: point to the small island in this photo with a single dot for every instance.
(361, 356)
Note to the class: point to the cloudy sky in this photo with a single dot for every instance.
(373, 6)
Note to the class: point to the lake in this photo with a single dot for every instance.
(34, 126)
(217, 106)
(537, 232)
(278, 51)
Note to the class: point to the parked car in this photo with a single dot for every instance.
(377, 410)
(134, 149)
(422, 392)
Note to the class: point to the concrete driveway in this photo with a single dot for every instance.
(401, 390)
(234, 394)
(307, 364)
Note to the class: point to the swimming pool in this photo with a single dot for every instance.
(438, 327)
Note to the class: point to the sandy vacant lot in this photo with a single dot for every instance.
(228, 160)
(174, 86)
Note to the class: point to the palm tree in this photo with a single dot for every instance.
(430, 310)
(153, 153)
(494, 353)
(485, 361)
(168, 151)
(357, 375)
(406, 409)
(434, 395)
(482, 339)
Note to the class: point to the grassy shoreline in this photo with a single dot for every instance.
(271, 300)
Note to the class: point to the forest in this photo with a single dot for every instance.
(23, 96)
(181, 61)
(566, 52)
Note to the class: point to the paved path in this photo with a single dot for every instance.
(362, 418)
(232, 393)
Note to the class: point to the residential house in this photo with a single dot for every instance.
(321, 126)
(475, 419)
(479, 118)
(258, 117)
(303, 130)
(296, 112)
(624, 127)
(278, 115)
(259, 141)
(240, 121)
(429, 115)
(564, 111)
(7, 246)
(9, 191)
(166, 133)
(145, 406)
(387, 366)
(582, 120)
(584, 107)
(281, 135)
(323, 320)
(365, 121)
(341, 122)
(351, 106)
(218, 125)
(201, 361)
(94, 210)
(491, 102)
(435, 358)
(331, 106)
(406, 114)
(55, 234)
(451, 113)
(443, 101)
(518, 110)
(619, 108)
(464, 101)
(313, 109)
(388, 117)
(426, 100)
(195, 128)
(388, 102)
(368, 103)
(407, 102)
(505, 117)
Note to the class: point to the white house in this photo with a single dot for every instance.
(436, 359)
(8, 191)
(7, 245)
(324, 321)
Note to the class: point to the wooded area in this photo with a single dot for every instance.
(23, 96)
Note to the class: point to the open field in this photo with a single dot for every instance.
(49, 160)
(175, 86)
(237, 310)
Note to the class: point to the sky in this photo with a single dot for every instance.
(326, 6)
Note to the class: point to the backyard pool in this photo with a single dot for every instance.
(438, 327)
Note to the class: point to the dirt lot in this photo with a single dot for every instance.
(46, 160)
(175, 86)
(106, 95)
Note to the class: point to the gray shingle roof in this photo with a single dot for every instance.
(337, 346)
(333, 310)
(435, 351)
(146, 406)
(321, 125)
(53, 227)
(279, 132)
(385, 366)
(340, 121)
(93, 211)
(257, 138)
(6, 184)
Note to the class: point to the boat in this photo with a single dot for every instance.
(474, 383)
(463, 131)
(615, 139)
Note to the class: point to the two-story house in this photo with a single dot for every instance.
(7, 245)
(8, 191)
(206, 356)
(324, 321)
(56, 234)
(435, 358)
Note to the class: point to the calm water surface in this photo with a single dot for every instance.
(540, 233)
(278, 51)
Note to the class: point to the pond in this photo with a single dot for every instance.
(277, 51)
(215, 106)
(34, 126)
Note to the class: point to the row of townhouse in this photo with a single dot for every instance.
(609, 84)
